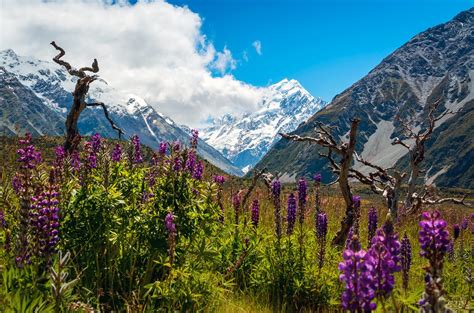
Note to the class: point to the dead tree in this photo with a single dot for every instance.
(342, 167)
(79, 99)
(417, 149)
(381, 182)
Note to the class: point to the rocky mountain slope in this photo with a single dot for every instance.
(35, 96)
(245, 140)
(437, 63)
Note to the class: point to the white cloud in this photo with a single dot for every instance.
(153, 49)
(258, 46)
(245, 56)
(224, 61)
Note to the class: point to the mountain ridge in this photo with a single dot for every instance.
(244, 140)
(26, 80)
(435, 64)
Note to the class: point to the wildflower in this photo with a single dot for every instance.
(171, 228)
(75, 161)
(176, 146)
(45, 221)
(91, 160)
(194, 138)
(117, 153)
(321, 233)
(60, 154)
(198, 171)
(434, 243)
(3, 222)
(169, 223)
(255, 213)
(190, 161)
(276, 191)
(162, 148)
(236, 204)
(405, 256)
(28, 156)
(137, 153)
(177, 164)
(372, 224)
(356, 273)
(218, 179)
(456, 231)
(384, 266)
(291, 214)
(302, 192)
(356, 206)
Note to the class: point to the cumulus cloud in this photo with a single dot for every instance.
(258, 46)
(224, 61)
(152, 49)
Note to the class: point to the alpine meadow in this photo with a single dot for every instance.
(193, 176)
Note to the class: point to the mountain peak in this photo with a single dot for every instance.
(8, 53)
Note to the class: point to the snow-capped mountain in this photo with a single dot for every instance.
(245, 140)
(437, 64)
(36, 95)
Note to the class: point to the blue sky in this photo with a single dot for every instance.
(326, 45)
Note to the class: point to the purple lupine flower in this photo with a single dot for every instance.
(162, 148)
(236, 205)
(302, 193)
(434, 244)
(191, 161)
(391, 240)
(356, 207)
(171, 228)
(464, 224)
(117, 153)
(96, 142)
(75, 161)
(322, 226)
(3, 222)
(91, 160)
(372, 224)
(218, 179)
(405, 258)
(357, 268)
(137, 152)
(60, 154)
(176, 146)
(456, 231)
(317, 177)
(28, 156)
(44, 220)
(198, 170)
(321, 233)
(276, 191)
(177, 164)
(384, 266)
(16, 184)
(255, 213)
(194, 138)
(169, 223)
(291, 214)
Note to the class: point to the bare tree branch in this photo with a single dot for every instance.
(106, 113)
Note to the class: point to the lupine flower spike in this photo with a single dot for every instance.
(372, 225)
(405, 256)
(434, 244)
(321, 233)
(357, 269)
(255, 213)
